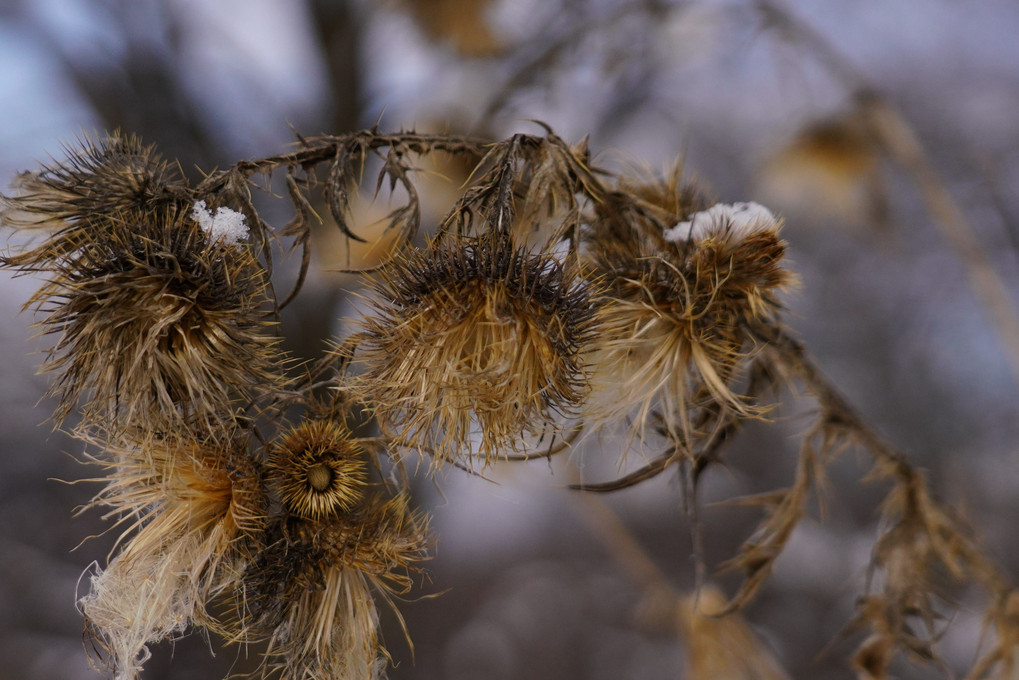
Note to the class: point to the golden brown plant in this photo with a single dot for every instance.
(722, 645)
(160, 322)
(310, 591)
(317, 469)
(474, 346)
(158, 326)
(548, 277)
(674, 316)
(191, 509)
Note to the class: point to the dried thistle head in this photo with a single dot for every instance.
(112, 175)
(475, 345)
(192, 509)
(311, 592)
(318, 469)
(159, 324)
(676, 310)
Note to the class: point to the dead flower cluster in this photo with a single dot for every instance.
(555, 298)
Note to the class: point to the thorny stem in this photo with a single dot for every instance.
(315, 150)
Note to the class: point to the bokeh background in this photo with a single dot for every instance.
(526, 581)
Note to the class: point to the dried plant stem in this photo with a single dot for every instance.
(896, 136)
(899, 139)
(620, 543)
(792, 356)
(548, 53)
(315, 150)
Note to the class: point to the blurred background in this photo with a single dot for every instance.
(762, 102)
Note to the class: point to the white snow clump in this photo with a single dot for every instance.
(226, 225)
(740, 219)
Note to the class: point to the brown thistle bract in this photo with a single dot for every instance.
(674, 317)
(310, 592)
(187, 506)
(156, 324)
(108, 176)
(475, 345)
(317, 469)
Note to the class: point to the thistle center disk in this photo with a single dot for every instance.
(320, 476)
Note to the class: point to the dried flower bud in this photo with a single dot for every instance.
(318, 469)
(475, 346)
(310, 591)
(675, 315)
(160, 325)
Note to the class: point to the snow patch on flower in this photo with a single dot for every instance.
(226, 225)
(740, 219)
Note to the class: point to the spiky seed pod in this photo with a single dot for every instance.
(318, 469)
(112, 175)
(675, 314)
(192, 510)
(161, 326)
(475, 345)
(310, 592)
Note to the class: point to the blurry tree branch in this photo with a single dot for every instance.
(339, 33)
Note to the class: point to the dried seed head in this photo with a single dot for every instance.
(318, 469)
(382, 537)
(187, 505)
(163, 327)
(475, 346)
(109, 176)
(309, 592)
(721, 644)
(675, 315)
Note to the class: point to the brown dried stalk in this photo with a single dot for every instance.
(891, 131)
(922, 536)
